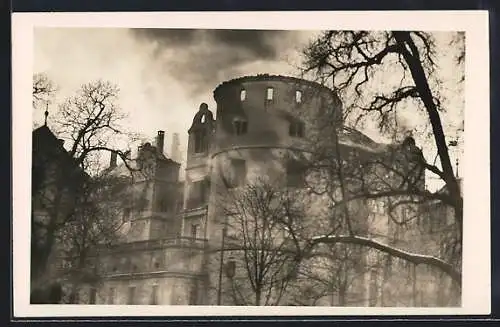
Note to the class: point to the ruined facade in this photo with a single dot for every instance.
(177, 244)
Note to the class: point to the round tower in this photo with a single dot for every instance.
(263, 125)
(262, 129)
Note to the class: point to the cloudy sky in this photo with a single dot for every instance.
(164, 74)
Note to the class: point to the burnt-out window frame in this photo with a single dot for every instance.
(198, 194)
(296, 128)
(131, 293)
(200, 141)
(240, 126)
(156, 262)
(239, 170)
(195, 228)
(154, 294)
(126, 214)
(295, 173)
(93, 295)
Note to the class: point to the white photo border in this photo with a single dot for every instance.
(476, 297)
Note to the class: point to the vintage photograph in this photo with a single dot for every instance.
(247, 167)
(231, 167)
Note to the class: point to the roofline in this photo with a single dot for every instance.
(269, 77)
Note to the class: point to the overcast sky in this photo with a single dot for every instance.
(164, 74)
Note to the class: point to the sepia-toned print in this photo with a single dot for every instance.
(247, 167)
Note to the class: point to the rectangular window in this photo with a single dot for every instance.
(197, 196)
(296, 129)
(298, 96)
(295, 174)
(239, 172)
(405, 214)
(200, 141)
(92, 295)
(125, 264)
(162, 205)
(165, 203)
(154, 295)
(156, 261)
(131, 295)
(194, 231)
(111, 295)
(243, 95)
(240, 127)
(269, 93)
(193, 295)
(179, 204)
(126, 214)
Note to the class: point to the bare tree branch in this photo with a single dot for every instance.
(412, 257)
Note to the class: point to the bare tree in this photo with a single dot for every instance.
(352, 63)
(94, 227)
(43, 90)
(263, 252)
(67, 178)
(330, 275)
(91, 123)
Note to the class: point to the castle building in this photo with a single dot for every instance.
(178, 236)
(55, 179)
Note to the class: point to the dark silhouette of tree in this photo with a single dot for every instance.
(68, 173)
(353, 64)
(94, 227)
(43, 90)
(262, 253)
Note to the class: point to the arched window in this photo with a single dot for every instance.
(269, 93)
(298, 96)
(243, 95)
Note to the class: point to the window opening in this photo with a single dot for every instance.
(296, 129)
(200, 142)
(269, 93)
(131, 295)
(240, 127)
(298, 96)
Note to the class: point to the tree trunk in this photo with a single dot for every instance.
(342, 295)
(258, 295)
(417, 71)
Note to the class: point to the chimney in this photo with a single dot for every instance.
(112, 160)
(160, 141)
(175, 152)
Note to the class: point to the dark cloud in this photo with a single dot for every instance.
(201, 58)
